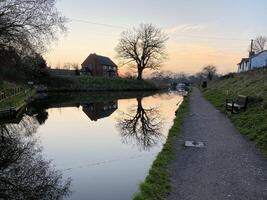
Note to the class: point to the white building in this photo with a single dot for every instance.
(255, 61)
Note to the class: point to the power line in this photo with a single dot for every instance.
(96, 23)
(174, 34)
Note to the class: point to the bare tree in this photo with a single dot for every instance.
(141, 125)
(143, 48)
(29, 25)
(259, 44)
(209, 71)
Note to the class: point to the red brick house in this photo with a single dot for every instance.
(96, 65)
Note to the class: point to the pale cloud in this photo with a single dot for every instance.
(191, 57)
(184, 28)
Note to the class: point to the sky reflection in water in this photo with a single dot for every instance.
(107, 146)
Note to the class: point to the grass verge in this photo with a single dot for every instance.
(253, 84)
(157, 184)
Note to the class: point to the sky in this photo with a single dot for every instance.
(201, 32)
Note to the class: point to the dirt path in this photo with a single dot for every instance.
(228, 167)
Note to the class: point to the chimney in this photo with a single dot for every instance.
(251, 53)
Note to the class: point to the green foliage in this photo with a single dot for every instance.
(86, 83)
(34, 67)
(20, 69)
(157, 184)
(254, 85)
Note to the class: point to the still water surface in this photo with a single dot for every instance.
(102, 145)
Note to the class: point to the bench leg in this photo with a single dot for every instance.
(232, 109)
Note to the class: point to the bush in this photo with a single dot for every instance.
(17, 68)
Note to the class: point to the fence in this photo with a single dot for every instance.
(7, 93)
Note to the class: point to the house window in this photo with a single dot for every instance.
(105, 67)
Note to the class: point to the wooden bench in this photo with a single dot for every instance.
(238, 105)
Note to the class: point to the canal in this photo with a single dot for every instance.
(96, 146)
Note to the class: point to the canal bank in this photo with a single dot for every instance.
(12, 104)
(86, 83)
(157, 184)
(13, 97)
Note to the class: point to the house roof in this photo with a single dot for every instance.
(98, 112)
(103, 60)
(247, 59)
(258, 53)
(243, 60)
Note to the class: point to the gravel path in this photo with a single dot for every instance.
(228, 167)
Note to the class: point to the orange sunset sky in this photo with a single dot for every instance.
(200, 32)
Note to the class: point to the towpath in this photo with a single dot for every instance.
(227, 167)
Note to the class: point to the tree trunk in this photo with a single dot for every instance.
(210, 76)
(140, 72)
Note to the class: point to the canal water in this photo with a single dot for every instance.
(96, 146)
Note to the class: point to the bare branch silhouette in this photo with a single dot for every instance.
(24, 173)
(29, 25)
(141, 126)
(259, 44)
(143, 48)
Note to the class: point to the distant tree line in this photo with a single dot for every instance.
(208, 73)
(26, 27)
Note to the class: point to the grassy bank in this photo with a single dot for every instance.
(157, 184)
(254, 85)
(85, 83)
(13, 101)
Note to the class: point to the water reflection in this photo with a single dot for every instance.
(99, 110)
(141, 126)
(83, 134)
(24, 173)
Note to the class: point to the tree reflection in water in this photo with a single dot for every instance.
(24, 173)
(141, 126)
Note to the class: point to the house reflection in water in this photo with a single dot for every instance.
(100, 110)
